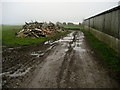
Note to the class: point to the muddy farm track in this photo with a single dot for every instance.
(65, 63)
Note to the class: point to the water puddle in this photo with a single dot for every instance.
(77, 45)
(66, 49)
(18, 73)
(5, 73)
(37, 54)
(65, 40)
(50, 47)
(68, 38)
(49, 42)
(76, 48)
(10, 48)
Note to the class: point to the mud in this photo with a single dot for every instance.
(65, 63)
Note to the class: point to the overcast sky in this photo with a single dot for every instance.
(17, 12)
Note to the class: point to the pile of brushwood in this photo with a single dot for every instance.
(42, 29)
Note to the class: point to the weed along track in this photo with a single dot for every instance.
(65, 63)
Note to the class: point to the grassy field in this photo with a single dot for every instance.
(73, 28)
(105, 53)
(9, 38)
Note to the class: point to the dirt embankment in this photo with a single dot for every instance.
(65, 63)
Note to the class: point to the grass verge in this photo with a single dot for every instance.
(9, 38)
(107, 54)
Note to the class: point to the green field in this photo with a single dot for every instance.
(9, 38)
(73, 28)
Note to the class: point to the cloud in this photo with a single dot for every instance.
(59, 0)
(19, 12)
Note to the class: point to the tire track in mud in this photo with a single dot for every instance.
(63, 79)
(66, 63)
(79, 69)
(18, 73)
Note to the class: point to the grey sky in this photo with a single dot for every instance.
(19, 12)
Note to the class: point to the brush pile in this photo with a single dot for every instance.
(42, 29)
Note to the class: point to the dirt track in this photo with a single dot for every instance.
(66, 63)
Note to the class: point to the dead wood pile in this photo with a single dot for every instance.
(42, 29)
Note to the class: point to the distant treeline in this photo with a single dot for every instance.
(67, 24)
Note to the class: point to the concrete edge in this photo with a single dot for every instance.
(111, 41)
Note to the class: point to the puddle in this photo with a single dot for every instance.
(79, 43)
(68, 38)
(37, 54)
(65, 40)
(5, 73)
(50, 47)
(66, 50)
(49, 42)
(77, 46)
(19, 72)
(10, 48)
(79, 49)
